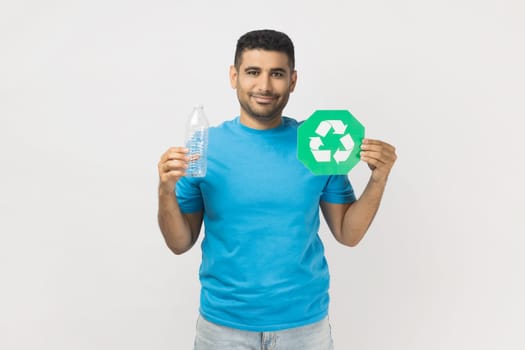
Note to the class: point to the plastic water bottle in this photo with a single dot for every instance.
(197, 142)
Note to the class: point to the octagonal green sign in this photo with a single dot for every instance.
(329, 142)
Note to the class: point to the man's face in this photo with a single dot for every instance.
(263, 82)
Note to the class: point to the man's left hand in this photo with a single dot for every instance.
(380, 157)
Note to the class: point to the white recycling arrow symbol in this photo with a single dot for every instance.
(340, 155)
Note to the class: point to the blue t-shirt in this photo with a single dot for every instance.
(263, 265)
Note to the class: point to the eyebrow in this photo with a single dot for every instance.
(280, 70)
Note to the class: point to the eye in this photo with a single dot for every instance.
(277, 74)
(252, 72)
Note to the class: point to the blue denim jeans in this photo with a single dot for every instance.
(316, 336)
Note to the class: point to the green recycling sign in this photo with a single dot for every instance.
(329, 142)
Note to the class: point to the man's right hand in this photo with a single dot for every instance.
(172, 166)
(179, 230)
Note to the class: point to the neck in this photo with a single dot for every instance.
(259, 123)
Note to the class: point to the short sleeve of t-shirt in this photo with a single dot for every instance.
(338, 190)
(189, 195)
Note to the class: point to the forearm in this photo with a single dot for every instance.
(361, 213)
(173, 224)
(349, 222)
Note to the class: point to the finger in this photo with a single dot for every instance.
(373, 164)
(371, 160)
(173, 165)
(181, 149)
(181, 158)
(382, 151)
(166, 164)
(380, 154)
(172, 175)
(371, 143)
(174, 153)
(174, 157)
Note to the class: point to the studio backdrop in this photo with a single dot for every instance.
(93, 92)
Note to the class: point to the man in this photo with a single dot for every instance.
(264, 276)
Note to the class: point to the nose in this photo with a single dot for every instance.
(265, 84)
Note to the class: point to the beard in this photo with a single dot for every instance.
(261, 112)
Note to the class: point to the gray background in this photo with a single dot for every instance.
(93, 92)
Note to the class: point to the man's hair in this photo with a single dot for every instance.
(266, 39)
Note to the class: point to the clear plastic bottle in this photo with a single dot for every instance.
(197, 142)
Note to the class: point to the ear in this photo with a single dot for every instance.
(293, 80)
(233, 76)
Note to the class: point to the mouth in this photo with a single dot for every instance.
(264, 99)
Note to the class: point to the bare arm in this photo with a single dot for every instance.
(180, 230)
(349, 222)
